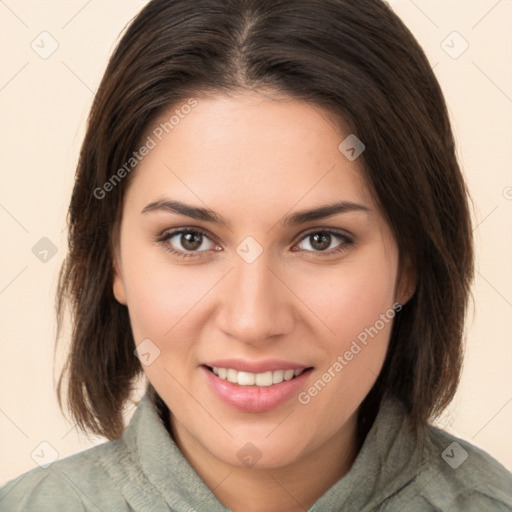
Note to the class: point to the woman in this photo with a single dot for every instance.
(269, 222)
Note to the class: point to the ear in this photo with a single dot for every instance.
(407, 283)
(117, 282)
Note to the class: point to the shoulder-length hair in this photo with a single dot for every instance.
(353, 57)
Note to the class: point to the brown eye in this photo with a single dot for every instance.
(320, 241)
(191, 241)
(186, 242)
(324, 241)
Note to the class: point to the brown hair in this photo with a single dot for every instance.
(353, 57)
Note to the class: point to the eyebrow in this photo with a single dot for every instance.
(300, 217)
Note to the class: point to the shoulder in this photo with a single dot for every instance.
(460, 476)
(76, 483)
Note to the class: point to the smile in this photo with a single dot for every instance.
(264, 379)
(268, 386)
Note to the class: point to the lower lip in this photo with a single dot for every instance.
(255, 398)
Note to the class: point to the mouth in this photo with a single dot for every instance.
(270, 385)
(262, 379)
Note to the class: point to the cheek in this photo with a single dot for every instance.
(356, 304)
(160, 294)
(350, 297)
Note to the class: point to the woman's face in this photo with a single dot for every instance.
(250, 250)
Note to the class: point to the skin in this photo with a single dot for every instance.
(254, 159)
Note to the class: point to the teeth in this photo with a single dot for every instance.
(246, 378)
(288, 374)
(277, 376)
(264, 379)
(232, 376)
(255, 379)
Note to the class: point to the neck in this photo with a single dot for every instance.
(291, 488)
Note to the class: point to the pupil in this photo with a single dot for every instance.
(321, 241)
(191, 241)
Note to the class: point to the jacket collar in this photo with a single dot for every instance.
(390, 457)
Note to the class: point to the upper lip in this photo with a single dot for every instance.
(267, 365)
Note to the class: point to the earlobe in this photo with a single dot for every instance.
(118, 285)
(406, 286)
(405, 296)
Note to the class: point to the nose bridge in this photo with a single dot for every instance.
(255, 305)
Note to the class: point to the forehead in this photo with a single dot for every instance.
(248, 149)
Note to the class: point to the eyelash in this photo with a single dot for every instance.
(164, 238)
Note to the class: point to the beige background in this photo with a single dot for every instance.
(44, 105)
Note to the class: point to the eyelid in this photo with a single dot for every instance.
(170, 232)
(334, 231)
(346, 238)
(166, 235)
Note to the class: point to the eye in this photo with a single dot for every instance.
(321, 241)
(185, 242)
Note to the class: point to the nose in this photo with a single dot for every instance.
(255, 305)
